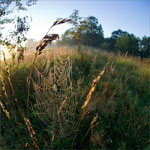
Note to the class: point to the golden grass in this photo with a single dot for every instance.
(3, 86)
(32, 133)
(93, 87)
(5, 110)
(62, 104)
(95, 81)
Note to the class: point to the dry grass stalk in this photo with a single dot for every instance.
(83, 115)
(6, 66)
(93, 121)
(52, 140)
(60, 21)
(32, 132)
(62, 104)
(28, 124)
(91, 126)
(20, 51)
(47, 39)
(5, 110)
(8, 75)
(3, 86)
(93, 87)
(94, 61)
(27, 145)
(88, 99)
(112, 96)
(81, 118)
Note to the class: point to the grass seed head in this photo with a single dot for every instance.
(5, 110)
(45, 41)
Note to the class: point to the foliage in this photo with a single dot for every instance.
(118, 34)
(15, 37)
(122, 41)
(145, 47)
(108, 44)
(93, 33)
(85, 31)
(77, 28)
(127, 44)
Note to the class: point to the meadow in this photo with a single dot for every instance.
(108, 107)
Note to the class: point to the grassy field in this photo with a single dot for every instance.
(116, 115)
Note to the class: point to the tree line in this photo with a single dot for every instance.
(87, 31)
(84, 31)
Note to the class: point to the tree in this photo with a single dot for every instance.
(93, 33)
(67, 39)
(107, 44)
(118, 34)
(21, 25)
(128, 44)
(78, 26)
(15, 37)
(85, 31)
(144, 47)
(6, 9)
(115, 36)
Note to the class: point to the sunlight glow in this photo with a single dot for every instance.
(6, 51)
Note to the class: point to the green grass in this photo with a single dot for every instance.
(121, 100)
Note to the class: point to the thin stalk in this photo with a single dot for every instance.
(27, 121)
(29, 82)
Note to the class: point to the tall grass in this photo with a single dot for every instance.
(116, 115)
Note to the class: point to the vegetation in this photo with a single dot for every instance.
(85, 31)
(75, 97)
(20, 25)
(117, 115)
(90, 33)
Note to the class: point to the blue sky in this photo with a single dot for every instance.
(132, 16)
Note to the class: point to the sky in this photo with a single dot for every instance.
(132, 16)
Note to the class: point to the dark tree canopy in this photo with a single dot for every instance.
(118, 34)
(127, 44)
(144, 47)
(93, 33)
